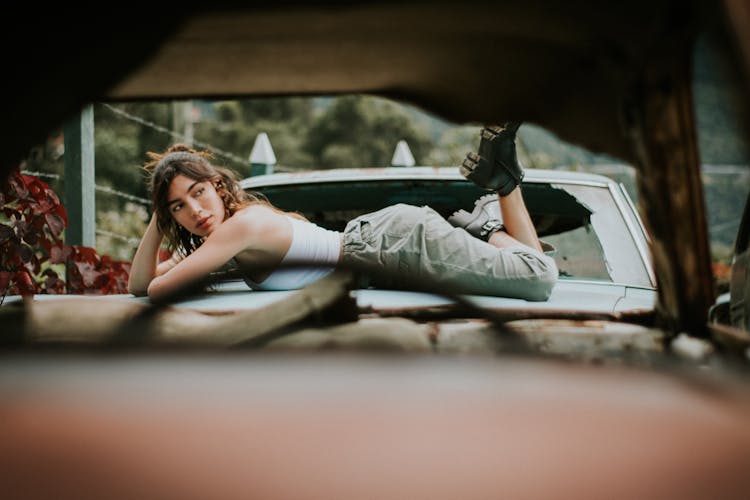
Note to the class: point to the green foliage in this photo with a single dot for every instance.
(117, 167)
(453, 144)
(236, 125)
(291, 110)
(539, 148)
(47, 159)
(362, 131)
(120, 230)
(721, 112)
(725, 196)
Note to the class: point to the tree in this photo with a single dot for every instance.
(362, 131)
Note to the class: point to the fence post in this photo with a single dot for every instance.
(78, 179)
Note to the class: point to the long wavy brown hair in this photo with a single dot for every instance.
(182, 159)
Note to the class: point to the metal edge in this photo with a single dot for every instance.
(625, 199)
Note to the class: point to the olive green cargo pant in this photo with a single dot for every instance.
(404, 246)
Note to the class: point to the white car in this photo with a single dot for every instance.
(601, 246)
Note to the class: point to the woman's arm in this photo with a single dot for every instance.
(144, 266)
(251, 230)
(168, 264)
(517, 221)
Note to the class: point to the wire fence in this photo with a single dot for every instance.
(120, 237)
(130, 197)
(42, 175)
(133, 242)
(98, 187)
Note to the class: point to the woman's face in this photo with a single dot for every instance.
(195, 205)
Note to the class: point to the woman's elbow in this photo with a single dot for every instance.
(137, 292)
(136, 289)
(154, 290)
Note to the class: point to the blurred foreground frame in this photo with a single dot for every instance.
(613, 77)
(225, 428)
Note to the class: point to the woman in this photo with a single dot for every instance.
(209, 221)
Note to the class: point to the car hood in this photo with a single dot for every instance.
(569, 298)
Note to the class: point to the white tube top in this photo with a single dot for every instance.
(310, 244)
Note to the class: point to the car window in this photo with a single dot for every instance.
(620, 240)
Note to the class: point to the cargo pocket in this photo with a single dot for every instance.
(365, 231)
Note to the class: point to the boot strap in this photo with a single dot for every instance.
(490, 227)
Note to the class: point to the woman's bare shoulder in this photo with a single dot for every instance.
(257, 211)
(257, 217)
(260, 228)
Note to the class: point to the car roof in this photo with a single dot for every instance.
(400, 173)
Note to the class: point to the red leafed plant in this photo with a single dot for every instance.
(32, 253)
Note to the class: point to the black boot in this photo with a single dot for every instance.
(496, 166)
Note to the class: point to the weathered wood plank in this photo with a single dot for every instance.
(661, 124)
(101, 321)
